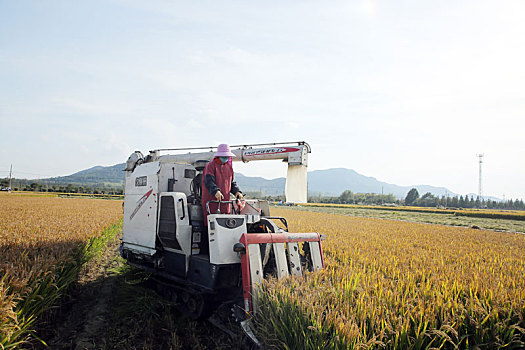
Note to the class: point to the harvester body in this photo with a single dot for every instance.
(205, 264)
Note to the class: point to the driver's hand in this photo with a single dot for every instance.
(238, 195)
(218, 195)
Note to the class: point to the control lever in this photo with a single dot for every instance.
(240, 205)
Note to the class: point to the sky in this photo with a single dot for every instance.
(408, 92)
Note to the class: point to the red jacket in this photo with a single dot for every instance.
(217, 176)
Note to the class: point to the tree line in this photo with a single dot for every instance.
(429, 200)
(30, 185)
(347, 197)
(412, 199)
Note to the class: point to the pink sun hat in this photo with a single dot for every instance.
(224, 151)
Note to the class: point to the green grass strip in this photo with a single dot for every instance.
(48, 287)
(464, 212)
(486, 215)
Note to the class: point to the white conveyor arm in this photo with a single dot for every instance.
(294, 153)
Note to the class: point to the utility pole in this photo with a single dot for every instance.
(480, 188)
(10, 177)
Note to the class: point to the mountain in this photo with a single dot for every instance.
(108, 175)
(334, 181)
(330, 182)
(256, 184)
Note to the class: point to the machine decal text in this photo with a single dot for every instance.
(141, 181)
(272, 150)
(140, 203)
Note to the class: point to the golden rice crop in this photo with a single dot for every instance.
(38, 235)
(400, 285)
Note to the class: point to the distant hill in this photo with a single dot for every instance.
(269, 187)
(330, 182)
(108, 175)
(335, 181)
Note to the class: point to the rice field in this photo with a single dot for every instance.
(43, 243)
(399, 285)
(493, 220)
(387, 283)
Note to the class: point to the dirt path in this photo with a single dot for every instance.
(82, 321)
(107, 309)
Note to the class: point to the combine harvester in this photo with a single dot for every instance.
(219, 265)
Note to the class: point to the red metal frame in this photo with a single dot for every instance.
(260, 238)
(246, 279)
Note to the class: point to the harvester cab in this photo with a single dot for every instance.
(206, 265)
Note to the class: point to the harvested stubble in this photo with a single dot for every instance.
(478, 213)
(40, 239)
(399, 285)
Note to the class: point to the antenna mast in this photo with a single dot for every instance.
(480, 188)
(10, 177)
